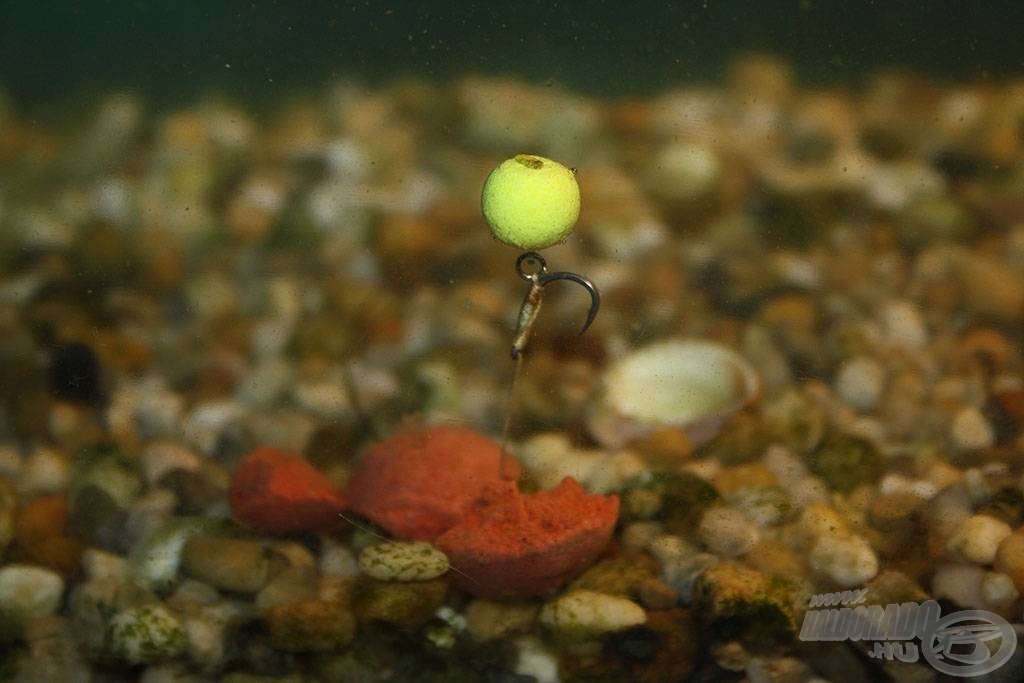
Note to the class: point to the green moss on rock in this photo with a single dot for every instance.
(845, 462)
(739, 602)
(685, 497)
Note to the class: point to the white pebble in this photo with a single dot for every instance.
(978, 538)
(30, 592)
(403, 561)
(584, 614)
(536, 662)
(971, 430)
(727, 532)
(337, 560)
(904, 326)
(849, 561)
(550, 457)
(998, 590)
(860, 382)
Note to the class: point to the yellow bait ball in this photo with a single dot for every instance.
(531, 202)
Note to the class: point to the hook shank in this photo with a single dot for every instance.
(535, 296)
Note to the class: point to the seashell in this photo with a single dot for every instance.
(403, 561)
(690, 385)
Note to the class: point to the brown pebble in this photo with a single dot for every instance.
(44, 517)
(893, 510)
(1010, 558)
(228, 563)
(655, 594)
(310, 626)
(59, 553)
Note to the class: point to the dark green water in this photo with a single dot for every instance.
(172, 51)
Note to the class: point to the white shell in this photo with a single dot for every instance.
(403, 561)
(691, 385)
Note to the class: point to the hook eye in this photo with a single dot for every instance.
(531, 265)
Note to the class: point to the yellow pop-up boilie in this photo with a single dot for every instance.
(531, 202)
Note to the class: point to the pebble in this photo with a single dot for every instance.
(978, 538)
(209, 634)
(584, 615)
(848, 561)
(145, 634)
(52, 654)
(337, 560)
(961, 583)
(903, 325)
(228, 563)
(287, 587)
(860, 382)
(998, 590)
(406, 605)
(487, 620)
(310, 626)
(403, 561)
(536, 662)
(970, 430)
(160, 457)
(30, 592)
(155, 560)
(45, 470)
(681, 563)
(727, 532)
(1010, 558)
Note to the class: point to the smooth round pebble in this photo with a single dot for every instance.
(860, 382)
(849, 560)
(30, 592)
(978, 539)
(403, 561)
(231, 564)
(971, 430)
(727, 532)
(583, 614)
(997, 590)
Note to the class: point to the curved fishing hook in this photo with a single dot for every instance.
(539, 279)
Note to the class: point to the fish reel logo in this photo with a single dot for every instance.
(959, 643)
(964, 644)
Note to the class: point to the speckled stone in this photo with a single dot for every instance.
(149, 633)
(584, 614)
(403, 561)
